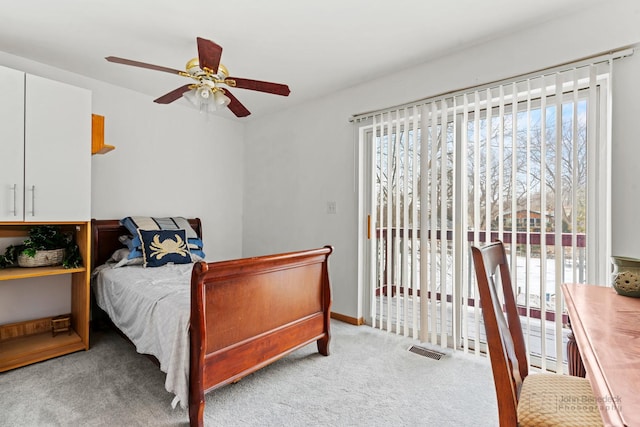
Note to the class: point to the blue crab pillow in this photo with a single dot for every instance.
(134, 223)
(160, 247)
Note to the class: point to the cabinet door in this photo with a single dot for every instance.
(57, 162)
(11, 144)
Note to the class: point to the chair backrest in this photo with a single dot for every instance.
(504, 336)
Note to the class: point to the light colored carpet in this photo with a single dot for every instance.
(369, 379)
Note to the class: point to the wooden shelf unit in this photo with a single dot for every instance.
(29, 342)
(16, 273)
(28, 349)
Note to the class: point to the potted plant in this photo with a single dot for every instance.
(46, 245)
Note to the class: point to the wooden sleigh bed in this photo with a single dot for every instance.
(245, 313)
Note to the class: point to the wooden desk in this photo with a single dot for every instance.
(606, 327)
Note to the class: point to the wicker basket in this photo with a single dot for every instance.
(42, 258)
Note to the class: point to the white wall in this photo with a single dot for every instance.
(169, 160)
(301, 158)
(625, 202)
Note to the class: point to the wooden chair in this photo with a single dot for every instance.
(540, 399)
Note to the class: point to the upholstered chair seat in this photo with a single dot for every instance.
(557, 400)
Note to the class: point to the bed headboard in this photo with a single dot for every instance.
(105, 233)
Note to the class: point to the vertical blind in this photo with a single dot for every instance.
(524, 161)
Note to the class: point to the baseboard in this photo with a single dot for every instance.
(348, 319)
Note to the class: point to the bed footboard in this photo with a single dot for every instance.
(250, 312)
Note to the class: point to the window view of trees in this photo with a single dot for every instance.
(535, 159)
(499, 171)
(398, 166)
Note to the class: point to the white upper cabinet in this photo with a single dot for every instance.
(11, 145)
(51, 181)
(57, 167)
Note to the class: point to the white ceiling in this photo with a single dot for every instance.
(313, 46)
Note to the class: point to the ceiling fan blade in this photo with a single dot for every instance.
(235, 106)
(209, 54)
(173, 95)
(141, 64)
(268, 87)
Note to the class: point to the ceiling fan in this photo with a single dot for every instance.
(209, 74)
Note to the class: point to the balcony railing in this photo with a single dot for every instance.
(395, 235)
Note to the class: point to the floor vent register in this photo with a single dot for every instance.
(432, 354)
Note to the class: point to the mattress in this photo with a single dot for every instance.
(151, 306)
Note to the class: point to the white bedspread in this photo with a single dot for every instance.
(152, 307)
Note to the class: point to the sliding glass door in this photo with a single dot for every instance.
(525, 162)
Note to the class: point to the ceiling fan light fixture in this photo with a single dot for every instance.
(221, 100)
(203, 103)
(204, 94)
(207, 98)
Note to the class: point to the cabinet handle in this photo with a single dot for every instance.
(15, 199)
(33, 200)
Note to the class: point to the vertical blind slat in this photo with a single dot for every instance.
(444, 132)
(397, 169)
(404, 325)
(476, 209)
(501, 158)
(543, 219)
(558, 215)
(456, 262)
(433, 207)
(514, 182)
(527, 268)
(574, 178)
(424, 263)
(415, 222)
(390, 220)
(464, 209)
(592, 275)
(375, 243)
